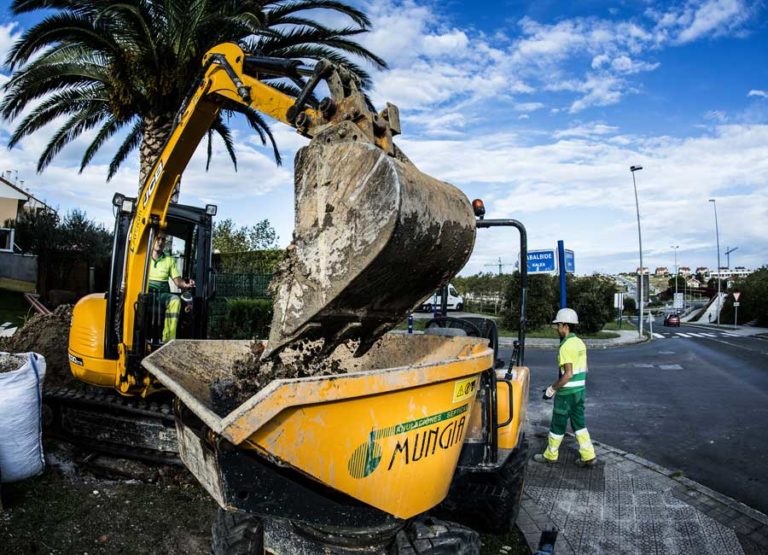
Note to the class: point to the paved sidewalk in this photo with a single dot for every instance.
(626, 504)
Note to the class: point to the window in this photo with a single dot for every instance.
(6, 240)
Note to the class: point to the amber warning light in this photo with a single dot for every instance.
(479, 208)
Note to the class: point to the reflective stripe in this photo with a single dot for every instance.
(575, 383)
(586, 449)
(553, 446)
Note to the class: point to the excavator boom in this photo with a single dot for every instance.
(373, 235)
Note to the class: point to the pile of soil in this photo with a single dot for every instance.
(46, 334)
(299, 359)
(9, 363)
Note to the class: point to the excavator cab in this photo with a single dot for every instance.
(97, 328)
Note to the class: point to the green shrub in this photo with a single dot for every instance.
(753, 302)
(630, 306)
(592, 299)
(590, 296)
(542, 302)
(245, 319)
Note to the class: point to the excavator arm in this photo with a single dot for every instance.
(373, 234)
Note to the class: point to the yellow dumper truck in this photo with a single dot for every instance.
(361, 457)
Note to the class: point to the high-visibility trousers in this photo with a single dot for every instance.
(172, 309)
(569, 407)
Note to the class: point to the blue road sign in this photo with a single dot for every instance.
(542, 261)
(570, 262)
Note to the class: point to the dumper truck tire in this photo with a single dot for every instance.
(489, 501)
(432, 536)
(237, 533)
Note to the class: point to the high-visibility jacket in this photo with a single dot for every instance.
(162, 269)
(573, 350)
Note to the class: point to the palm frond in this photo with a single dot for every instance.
(286, 8)
(71, 129)
(226, 135)
(137, 18)
(258, 124)
(66, 102)
(129, 144)
(26, 86)
(54, 30)
(110, 127)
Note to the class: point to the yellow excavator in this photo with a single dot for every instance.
(336, 462)
(365, 247)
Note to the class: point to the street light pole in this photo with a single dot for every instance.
(717, 234)
(633, 169)
(675, 247)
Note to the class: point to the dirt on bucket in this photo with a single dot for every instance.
(46, 334)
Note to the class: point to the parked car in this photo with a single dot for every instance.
(455, 301)
(672, 320)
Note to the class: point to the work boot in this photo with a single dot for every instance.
(539, 458)
(581, 463)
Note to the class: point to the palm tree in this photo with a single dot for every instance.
(125, 67)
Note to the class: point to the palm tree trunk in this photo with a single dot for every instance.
(157, 127)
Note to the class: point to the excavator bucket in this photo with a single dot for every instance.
(373, 237)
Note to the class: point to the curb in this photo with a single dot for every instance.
(553, 344)
(687, 482)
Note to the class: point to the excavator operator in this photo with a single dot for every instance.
(162, 267)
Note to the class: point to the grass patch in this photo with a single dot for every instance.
(551, 333)
(546, 332)
(512, 543)
(612, 326)
(13, 307)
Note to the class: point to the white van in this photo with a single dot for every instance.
(455, 301)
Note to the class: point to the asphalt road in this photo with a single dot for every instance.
(697, 404)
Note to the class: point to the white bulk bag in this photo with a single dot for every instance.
(21, 442)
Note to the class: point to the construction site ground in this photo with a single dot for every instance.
(89, 504)
(84, 503)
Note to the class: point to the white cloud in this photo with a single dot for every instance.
(759, 93)
(528, 106)
(586, 130)
(600, 90)
(698, 19)
(9, 34)
(587, 183)
(716, 115)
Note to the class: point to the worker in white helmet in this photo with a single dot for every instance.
(569, 392)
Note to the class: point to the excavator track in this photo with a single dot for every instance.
(106, 422)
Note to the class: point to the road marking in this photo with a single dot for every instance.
(722, 333)
(695, 335)
(682, 334)
(708, 334)
(658, 335)
(670, 367)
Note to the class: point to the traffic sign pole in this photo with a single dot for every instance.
(561, 263)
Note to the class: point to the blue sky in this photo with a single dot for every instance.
(539, 108)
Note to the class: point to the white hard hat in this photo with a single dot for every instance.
(566, 316)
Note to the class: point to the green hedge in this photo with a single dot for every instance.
(590, 296)
(753, 302)
(244, 319)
